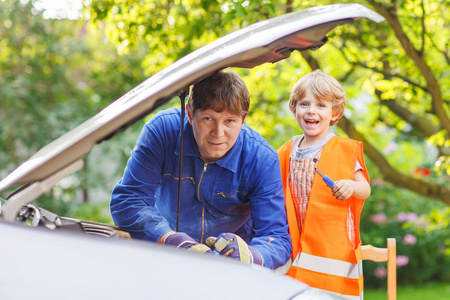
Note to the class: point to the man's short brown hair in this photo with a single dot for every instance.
(223, 90)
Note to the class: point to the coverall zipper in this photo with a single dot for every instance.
(198, 196)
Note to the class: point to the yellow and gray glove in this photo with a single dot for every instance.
(182, 240)
(232, 245)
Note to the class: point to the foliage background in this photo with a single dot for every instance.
(56, 73)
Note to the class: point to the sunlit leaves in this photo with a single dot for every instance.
(367, 58)
(54, 74)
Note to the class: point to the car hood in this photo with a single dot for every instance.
(43, 264)
(266, 41)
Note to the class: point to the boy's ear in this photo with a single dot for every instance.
(336, 116)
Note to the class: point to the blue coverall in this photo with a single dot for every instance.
(240, 193)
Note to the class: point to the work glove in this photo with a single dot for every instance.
(232, 245)
(182, 240)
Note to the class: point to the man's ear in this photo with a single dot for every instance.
(189, 114)
(244, 116)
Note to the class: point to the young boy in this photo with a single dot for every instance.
(323, 220)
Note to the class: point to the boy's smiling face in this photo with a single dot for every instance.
(314, 117)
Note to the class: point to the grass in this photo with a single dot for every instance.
(432, 291)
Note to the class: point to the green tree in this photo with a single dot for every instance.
(35, 79)
(398, 69)
(55, 74)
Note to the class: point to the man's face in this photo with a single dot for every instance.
(214, 132)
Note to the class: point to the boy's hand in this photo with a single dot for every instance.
(343, 189)
(359, 187)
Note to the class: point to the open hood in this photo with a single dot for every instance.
(266, 41)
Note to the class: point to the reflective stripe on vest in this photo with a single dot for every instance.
(340, 296)
(328, 266)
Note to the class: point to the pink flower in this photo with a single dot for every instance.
(402, 217)
(402, 260)
(411, 217)
(422, 222)
(391, 147)
(380, 272)
(378, 218)
(409, 239)
(406, 217)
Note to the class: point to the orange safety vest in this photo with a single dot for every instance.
(323, 255)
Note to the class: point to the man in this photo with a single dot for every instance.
(230, 185)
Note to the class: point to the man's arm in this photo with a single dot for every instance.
(268, 214)
(133, 198)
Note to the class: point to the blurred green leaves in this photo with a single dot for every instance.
(55, 74)
(422, 231)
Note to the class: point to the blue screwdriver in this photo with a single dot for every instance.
(325, 178)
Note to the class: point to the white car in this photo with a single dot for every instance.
(62, 258)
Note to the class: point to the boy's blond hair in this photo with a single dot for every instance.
(324, 87)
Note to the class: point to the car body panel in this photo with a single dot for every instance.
(78, 266)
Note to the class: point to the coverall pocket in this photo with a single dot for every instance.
(226, 199)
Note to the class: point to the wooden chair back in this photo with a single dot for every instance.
(388, 255)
